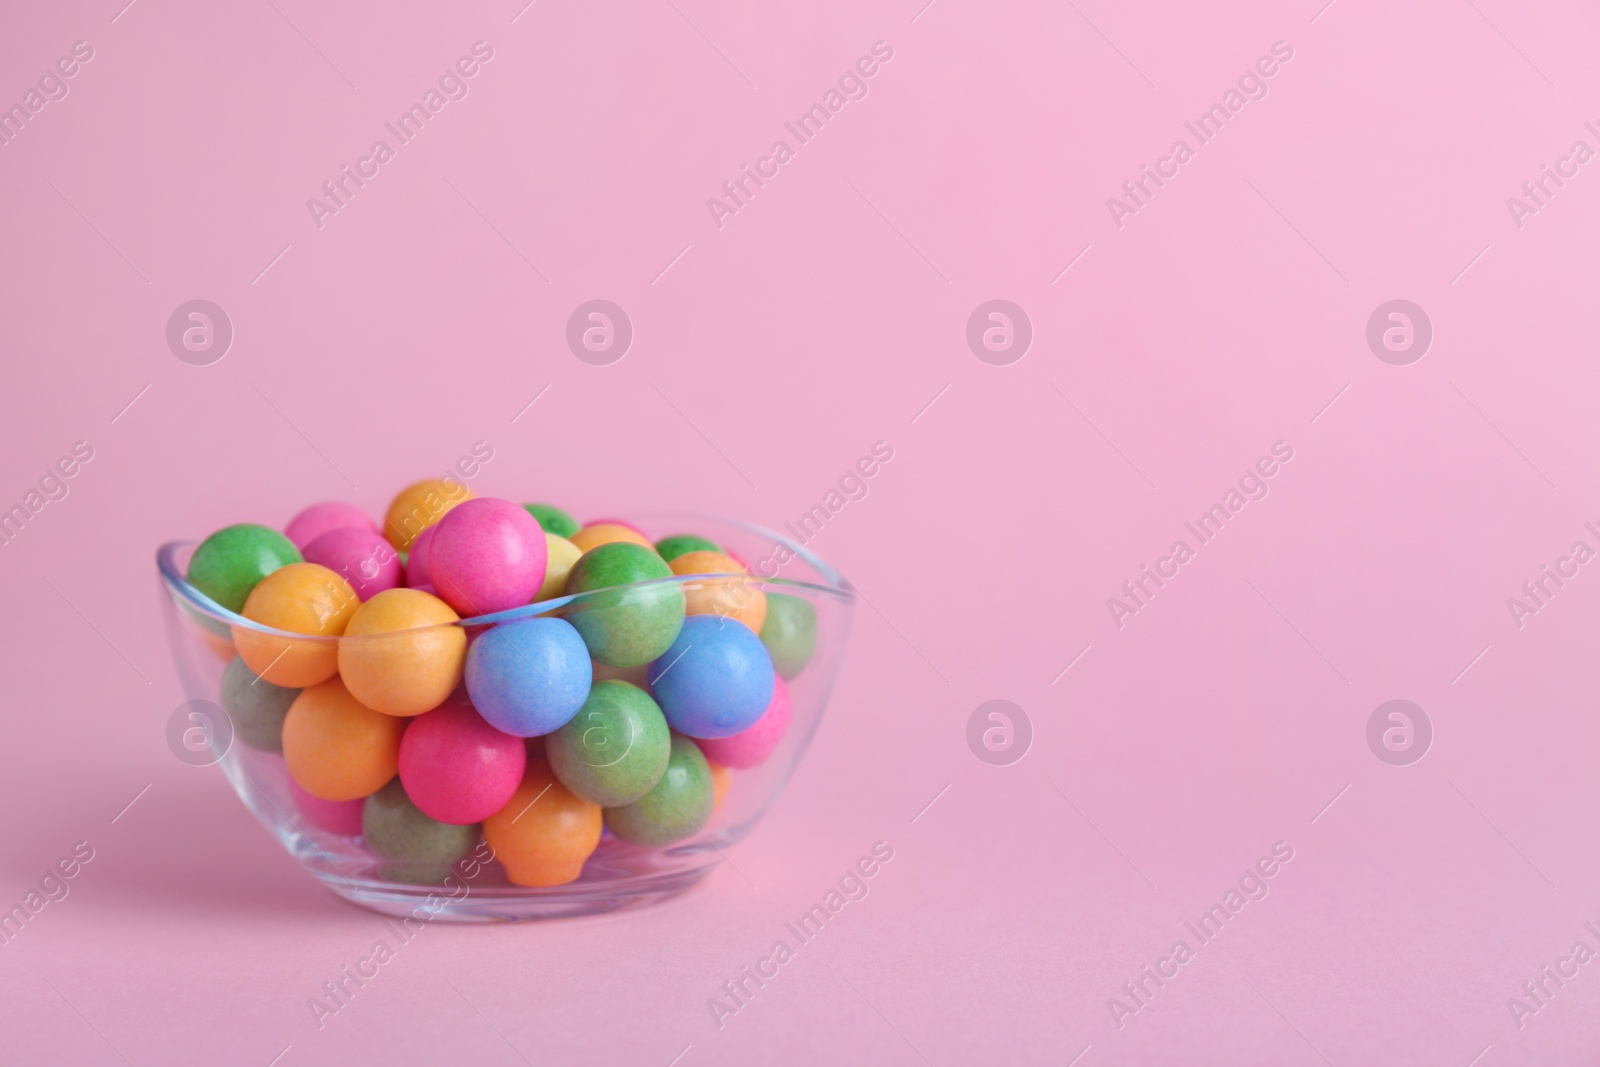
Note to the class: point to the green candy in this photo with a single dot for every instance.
(615, 749)
(231, 562)
(552, 519)
(670, 548)
(790, 633)
(628, 627)
(256, 708)
(415, 849)
(678, 806)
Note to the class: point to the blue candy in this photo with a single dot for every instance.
(528, 677)
(715, 680)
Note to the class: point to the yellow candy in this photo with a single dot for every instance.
(561, 555)
(303, 598)
(419, 506)
(402, 673)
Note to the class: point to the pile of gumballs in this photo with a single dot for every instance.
(621, 710)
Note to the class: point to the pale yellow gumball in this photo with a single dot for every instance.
(562, 554)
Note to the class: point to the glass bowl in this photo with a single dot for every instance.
(618, 874)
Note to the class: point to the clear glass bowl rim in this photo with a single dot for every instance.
(837, 586)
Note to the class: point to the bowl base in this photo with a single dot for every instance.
(512, 904)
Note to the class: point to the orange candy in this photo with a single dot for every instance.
(338, 748)
(734, 598)
(420, 505)
(544, 835)
(402, 673)
(721, 779)
(604, 533)
(303, 598)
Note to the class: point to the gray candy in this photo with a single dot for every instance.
(415, 849)
(257, 708)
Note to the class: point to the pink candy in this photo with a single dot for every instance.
(318, 519)
(457, 768)
(360, 556)
(752, 746)
(417, 559)
(342, 817)
(487, 555)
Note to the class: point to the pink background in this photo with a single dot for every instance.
(1223, 317)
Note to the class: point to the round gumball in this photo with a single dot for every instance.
(417, 574)
(318, 519)
(256, 708)
(413, 847)
(553, 520)
(402, 653)
(560, 555)
(456, 767)
(340, 817)
(736, 598)
(721, 779)
(751, 747)
(679, 805)
(789, 632)
(420, 505)
(615, 749)
(233, 561)
(361, 557)
(528, 677)
(670, 548)
(625, 627)
(336, 747)
(545, 833)
(636, 676)
(488, 555)
(596, 534)
(302, 598)
(715, 681)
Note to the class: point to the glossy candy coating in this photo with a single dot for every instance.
(596, 534)
(487, 555)
(256, 708)
(670, 548)
(457, 768)
(414, 848)
(751, 747)
(528, 677)
(737, 598)
(231, 562)
(789, 632)
(401, 654)
(553, 520)
(715, 681)
(420, 505)
(338, 748)
(679, 805)
(615, 749)
(318, 519)
(625, 627)
(545, 833)
(360, 556)
(302, 598)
